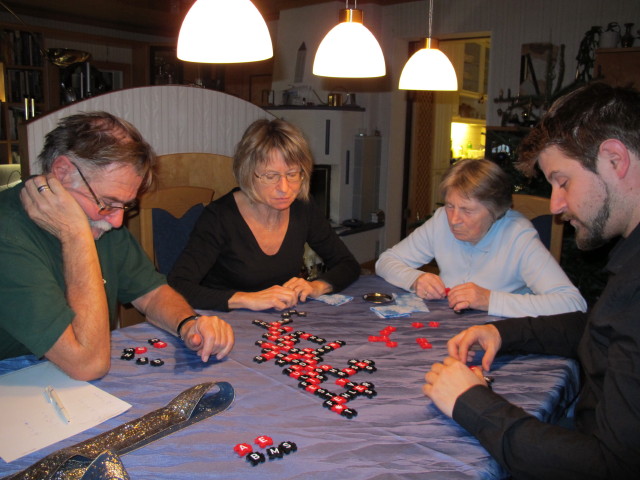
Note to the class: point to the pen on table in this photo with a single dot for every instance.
(53, 398)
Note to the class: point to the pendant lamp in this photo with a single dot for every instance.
(224, 31)
(428, 68)
(349, 50)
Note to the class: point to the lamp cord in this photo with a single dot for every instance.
(430, 16)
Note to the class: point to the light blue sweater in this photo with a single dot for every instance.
(510, 261)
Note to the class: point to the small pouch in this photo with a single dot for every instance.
(189, 407)
(404, 306)
(335, 299)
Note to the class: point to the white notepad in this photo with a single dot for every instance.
(30, 422)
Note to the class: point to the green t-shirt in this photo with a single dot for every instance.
(33, 307)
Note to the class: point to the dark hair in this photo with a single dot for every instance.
(96, 140)
(580, 121)
(260, 139)
(482, 180)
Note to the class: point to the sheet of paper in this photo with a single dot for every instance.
(30, 422)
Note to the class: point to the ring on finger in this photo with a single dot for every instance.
(42, 188)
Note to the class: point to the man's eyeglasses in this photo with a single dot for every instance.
(272, 178)
(104, 208)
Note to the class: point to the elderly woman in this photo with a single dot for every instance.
(490, 257)
(246, 250)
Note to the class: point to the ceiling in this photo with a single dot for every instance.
(153, 17)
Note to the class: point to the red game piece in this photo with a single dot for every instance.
(391, 344)
(434, 324)
(312, 388)
(263, 441)
(242, 449)
(141, 350)
(446, 291)
(160, 344)
(417, 325)
(342, 381)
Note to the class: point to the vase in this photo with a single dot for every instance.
(627, 39)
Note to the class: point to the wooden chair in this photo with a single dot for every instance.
(177, 201)
(550, 227)
(207, 170)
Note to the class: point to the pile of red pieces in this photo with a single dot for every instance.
(385, 335)
(255, 458)
(305, 365)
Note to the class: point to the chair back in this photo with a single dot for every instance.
(207, 170)
(549, 227)
(167, 216)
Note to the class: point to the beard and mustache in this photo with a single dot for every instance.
(592, 236)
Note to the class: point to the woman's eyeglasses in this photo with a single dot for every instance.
(272, 178)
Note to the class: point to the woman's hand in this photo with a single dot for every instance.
(429, 286)
(273, 297)
(305, 289)
(469, 295)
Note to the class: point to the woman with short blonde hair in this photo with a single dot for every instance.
(247, 248)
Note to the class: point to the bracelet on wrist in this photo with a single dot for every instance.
(181, 324)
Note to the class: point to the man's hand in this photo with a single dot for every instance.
(446, 381)
(273, 297)
(209, 335)
(52, 208)
(487, 336)
(429, 286)
(306, 289)
(469, 295)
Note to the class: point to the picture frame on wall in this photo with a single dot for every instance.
(165, 68)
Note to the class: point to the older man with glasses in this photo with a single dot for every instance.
(64, 275)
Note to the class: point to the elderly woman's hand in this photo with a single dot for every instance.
(469, 295)
(429, 286)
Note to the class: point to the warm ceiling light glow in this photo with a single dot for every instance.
(224, 31)
(349, 50)
(429, 68)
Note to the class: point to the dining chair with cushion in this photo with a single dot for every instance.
(167, 216)
(549, 226)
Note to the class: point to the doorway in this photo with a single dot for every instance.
(442, 127)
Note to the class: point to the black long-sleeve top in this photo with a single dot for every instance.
(606, 342)
(223, 256)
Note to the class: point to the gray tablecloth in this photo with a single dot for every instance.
(397, 434)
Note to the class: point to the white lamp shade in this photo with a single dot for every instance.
(428, 69)
(349, 50)
(224, 31)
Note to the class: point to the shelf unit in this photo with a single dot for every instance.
(619, 67)
(23, 86)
